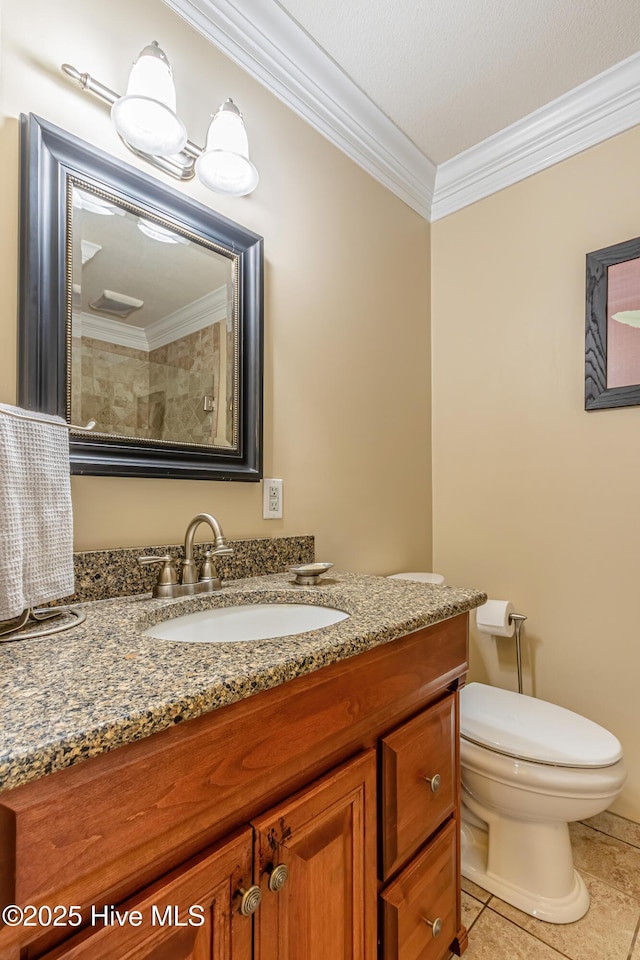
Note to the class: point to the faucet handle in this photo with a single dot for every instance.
(207, 570)
(167, 575)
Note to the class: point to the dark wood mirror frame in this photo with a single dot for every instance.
(49, 156)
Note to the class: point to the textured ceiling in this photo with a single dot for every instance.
(450, 73)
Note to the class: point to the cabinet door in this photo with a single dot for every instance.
(191, 914)
(325, 836)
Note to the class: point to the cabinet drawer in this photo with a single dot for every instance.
(419, 907)
(419, 771)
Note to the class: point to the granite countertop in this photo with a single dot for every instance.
(104, 683)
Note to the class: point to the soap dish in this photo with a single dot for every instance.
(309, 574)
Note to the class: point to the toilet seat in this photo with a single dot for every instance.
(536, 731)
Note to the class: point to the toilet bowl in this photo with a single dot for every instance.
(529, 768)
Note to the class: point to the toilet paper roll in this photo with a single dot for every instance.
(493, 617)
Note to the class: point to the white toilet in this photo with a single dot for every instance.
(530, 767)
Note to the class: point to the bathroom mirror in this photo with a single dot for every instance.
(140, 309)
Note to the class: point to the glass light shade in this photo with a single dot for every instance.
(224, 166)
(145, 117)
(159, 233)
(83, 200)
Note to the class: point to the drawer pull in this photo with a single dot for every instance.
(250, 901)
(436, 925)
(434, 782)
(278, 877)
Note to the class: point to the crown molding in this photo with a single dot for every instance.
(596, 110)
(265, 41)
(261, 37)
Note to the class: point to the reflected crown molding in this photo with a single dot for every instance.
(94, 327)
(261, 37)
(201, 313)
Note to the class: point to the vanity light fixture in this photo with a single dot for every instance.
(146, 116)
(224, 164)
(145, 119)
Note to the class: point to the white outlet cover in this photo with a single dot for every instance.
(271, 499)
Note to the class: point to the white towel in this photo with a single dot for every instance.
(36, 522)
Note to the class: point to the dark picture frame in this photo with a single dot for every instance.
(50, 159)
(612, 347)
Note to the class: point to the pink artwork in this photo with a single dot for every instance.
(623, 323)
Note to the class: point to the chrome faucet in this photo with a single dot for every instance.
(167, 585)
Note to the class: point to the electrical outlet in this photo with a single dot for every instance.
(271, 499)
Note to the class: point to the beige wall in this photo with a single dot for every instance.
(536, 500)
(347, 343)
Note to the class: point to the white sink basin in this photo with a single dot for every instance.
(253, 621)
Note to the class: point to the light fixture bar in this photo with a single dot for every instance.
(87, 83)
(175, 166)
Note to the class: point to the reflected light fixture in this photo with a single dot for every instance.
(161, 234)
(145, 118)
(83, 200)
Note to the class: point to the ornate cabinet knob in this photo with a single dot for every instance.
(278, 877)
(250, 900)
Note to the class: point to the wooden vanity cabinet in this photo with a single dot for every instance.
(329, 775)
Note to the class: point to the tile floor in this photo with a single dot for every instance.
(607, 853)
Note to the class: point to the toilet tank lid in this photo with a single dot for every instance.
(530, 729)
(419, 577)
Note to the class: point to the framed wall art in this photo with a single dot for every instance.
(612, 350)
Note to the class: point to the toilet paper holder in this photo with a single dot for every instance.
(517, 619)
